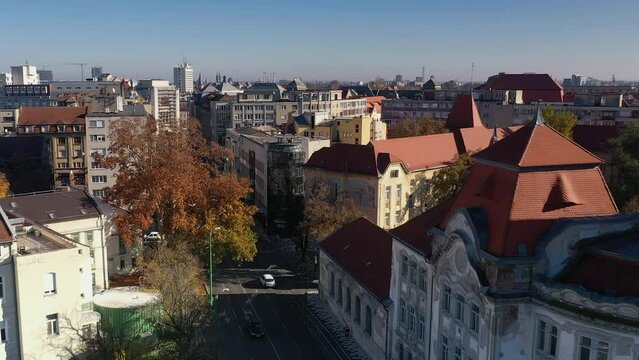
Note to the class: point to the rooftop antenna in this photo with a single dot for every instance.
(472, 75)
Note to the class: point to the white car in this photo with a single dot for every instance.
(153, 235)
(267, 280)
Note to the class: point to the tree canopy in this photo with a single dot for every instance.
(324, 212)
(416, 127)
(4, 186)
(625, 166)
(448, 181)
(175, 176)
(563, 121)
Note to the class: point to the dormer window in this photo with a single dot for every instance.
(60, 128)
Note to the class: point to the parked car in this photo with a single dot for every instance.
(153, 235)
(267, 280)
(255, 328)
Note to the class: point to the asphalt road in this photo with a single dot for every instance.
(280, 310)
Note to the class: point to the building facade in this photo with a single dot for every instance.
(64, 129)
(98, 140)
(183, 77)
(25, 75)
(165, 104)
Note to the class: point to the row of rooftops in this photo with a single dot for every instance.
(519, 187)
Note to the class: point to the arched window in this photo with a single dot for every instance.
(339, 291)
(348, 300)
(332, 284)
(358, 310)
(409, 355)
(401, 351)
(369, 320)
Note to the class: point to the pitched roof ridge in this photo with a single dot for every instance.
(523, 154)
(612, 199)
(576, 144)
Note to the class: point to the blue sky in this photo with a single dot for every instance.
(328, 39)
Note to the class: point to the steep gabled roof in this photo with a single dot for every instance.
(464, 113)
(364, 250)
(52, 115)
(537, 145)
(420, 152)
(358, 159)
(415, 232)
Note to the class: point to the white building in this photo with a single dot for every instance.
(530, 261)
(5, 79)
(45, 284)
(183, 77)
(25, 75)
(98, 141)
(165, 104)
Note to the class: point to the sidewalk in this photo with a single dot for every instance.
(288, 248)
(329, 332)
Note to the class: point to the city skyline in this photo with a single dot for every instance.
(357, 40)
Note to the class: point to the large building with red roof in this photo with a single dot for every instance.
(388, 179)
(531, 260)
(534, 87)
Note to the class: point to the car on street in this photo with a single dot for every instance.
(153, 236)
(255, 328)
(267, 280)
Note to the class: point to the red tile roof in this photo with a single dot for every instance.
(537, 145)
(364, 250)
(464, 113)
(415, 231)
(605, 274)
(520, 206)
(416, 153)
(374, 103)
(5, 232)
(52, 115)
(504, 81)
(535, 86)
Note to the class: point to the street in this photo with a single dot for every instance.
(281, 309)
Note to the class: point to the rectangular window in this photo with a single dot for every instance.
(413, 272)
(3, 332)
(388, 193)
(61, 128)
(460, 305)
(49, 283)
(422, 279)
(398, 216)
(444, 349)
(89, 236)
(52, 325)
(474, 318)
(459, 353)
(421, 326)
(394, 173)
(62, 153)
(591, 349)
(411, 318)
(404, 265)
(96, 123)
(98, 137)
(122, 264)
(99, 151)
(546, 338)
(1, 287)
(399, 192)
(446, 299)
(77, 128)
(98, 193)
(402, 311)
(95, 165)
(99, 179)
(387, 219)
(77, 141)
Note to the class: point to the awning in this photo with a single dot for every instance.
(90, 317)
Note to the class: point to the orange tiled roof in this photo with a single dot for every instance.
(464, 113)
(420, 152)
(537, 145)
(52, 115)
(5, 233)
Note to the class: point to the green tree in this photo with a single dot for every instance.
(562, 121)
(4, 186)
(448, 181)
(625, 168)
(416, 127)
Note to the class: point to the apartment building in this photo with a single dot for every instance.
(97, 140)
(59, 88)
(25, 75)
(45, 285)
(273, 164)
(359, 130)
(75, 215)
(543, 273)
(183, 77)
(165, 105)
(388, 179)
(64, 129)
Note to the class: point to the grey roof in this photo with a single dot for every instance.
(266, 87)
(127, 110)
(303, 119)
(51, 206)
(297, 85)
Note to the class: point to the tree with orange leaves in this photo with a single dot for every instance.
(175, 176)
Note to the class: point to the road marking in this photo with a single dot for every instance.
(258, 317)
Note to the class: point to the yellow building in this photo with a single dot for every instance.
(388, 179)
(313, 124)
(359, 130)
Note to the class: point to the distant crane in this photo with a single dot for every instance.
(81, 68)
